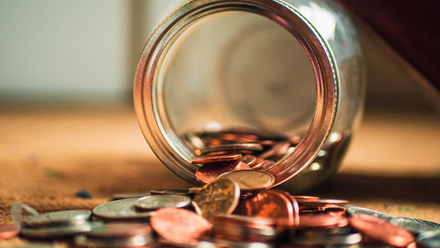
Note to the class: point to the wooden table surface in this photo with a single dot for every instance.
(49, 153)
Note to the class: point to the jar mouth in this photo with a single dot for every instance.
(148, 84)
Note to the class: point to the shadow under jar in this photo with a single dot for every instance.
(282, 70)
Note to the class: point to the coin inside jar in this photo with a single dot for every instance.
(230, 147)
(249, 180)
(210, 172)
(162, 201)
(215, 158)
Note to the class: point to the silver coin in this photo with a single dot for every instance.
(413, 225)
(162, 201)
(58, 218)
(354, 210)
(129, 195)
(338, 239)
(241, 244)
(429, 239)
(135, 241)
(170, 192)
(250, 180)
(120, 210)
(55, 232)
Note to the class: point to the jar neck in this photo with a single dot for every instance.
(148, 83)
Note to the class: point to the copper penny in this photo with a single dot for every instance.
(219, 197)
(212, 171)
(278, 148)
(217, 158)
(249, 180)
(249, 159)
(381, 230)
(179, 226)
(269, 204)
(8, 231)
(230, 147)
(322, 220)
(321, 204)
(258, 164)
(305, 198)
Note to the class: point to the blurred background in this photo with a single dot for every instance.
(80, 51)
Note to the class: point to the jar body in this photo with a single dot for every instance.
(289, 67)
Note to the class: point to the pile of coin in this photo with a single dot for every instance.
(221, 214)
(236, 149)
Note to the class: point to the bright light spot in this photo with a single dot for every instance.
(321, 153)
(213, 127)
(334, 137)
(323, 20)
(315, 166)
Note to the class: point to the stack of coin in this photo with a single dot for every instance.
(58, 224)
(116, 235)
(236, 149)
(229, 213)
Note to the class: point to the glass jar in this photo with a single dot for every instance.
(281, 68)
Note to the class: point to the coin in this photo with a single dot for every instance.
(162, 201)
(278, 148)
(211, 171)
(321, 204)
(179, 226)
(215, 158)
(249, 180)
(119, 230)
(230, 147)
(322, 220)
(248, 159)
(338, 239)
(354, 210)
(55, 231)
(129, 195)
(195, 190)
(58, 218)
(413, 225)
(265, 165)
(244, 228)
(269, 204)
(135, 241)
(183, 192)
(120, 210)
(381, 230)
(303, 198)
(219, 197)
(429, 239)
(8, 231)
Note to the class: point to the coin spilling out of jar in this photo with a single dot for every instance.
(224, 152)
(221, 214)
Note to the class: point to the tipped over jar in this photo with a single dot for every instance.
(283, 75)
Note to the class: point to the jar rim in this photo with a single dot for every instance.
(157, 131)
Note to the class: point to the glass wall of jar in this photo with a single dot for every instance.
(282, 70)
